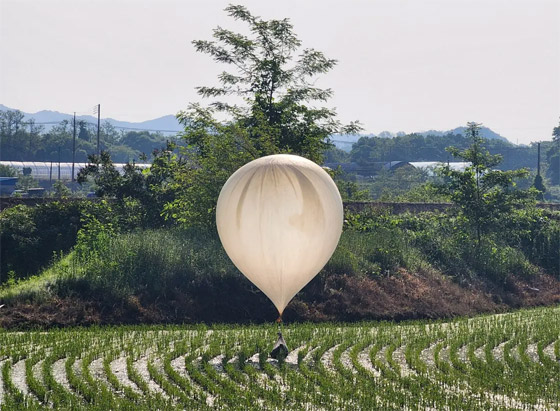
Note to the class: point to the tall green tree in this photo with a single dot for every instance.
(269, 109)
(485, 196)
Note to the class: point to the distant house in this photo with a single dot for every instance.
(429, 166)
(7, 185)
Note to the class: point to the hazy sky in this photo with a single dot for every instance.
(403, 65)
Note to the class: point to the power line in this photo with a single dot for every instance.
(119, 127)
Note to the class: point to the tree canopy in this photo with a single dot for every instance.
(485, 195)
(274, 79)
(271, 80)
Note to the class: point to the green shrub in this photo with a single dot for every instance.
(536, 233)
(18, 236)
(30, 236)
(158, 264)
(529, 239)
(150, 262)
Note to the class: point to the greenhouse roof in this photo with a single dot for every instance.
(43, 170)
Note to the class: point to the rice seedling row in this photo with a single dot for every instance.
(506, 361)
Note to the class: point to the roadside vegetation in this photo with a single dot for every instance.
(178, 274)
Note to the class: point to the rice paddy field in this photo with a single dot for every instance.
(505, 361)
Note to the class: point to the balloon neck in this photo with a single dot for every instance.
(279, 319)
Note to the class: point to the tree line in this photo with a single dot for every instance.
(369, 152)
(24, 140)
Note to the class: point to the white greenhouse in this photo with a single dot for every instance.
(42, 170)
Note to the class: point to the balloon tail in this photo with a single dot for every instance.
(280, 324)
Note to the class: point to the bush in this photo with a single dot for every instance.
(526, 242)
(150, 263)
(32, 236)
(189, 268)
(536, 233)
(8, 171)
(18, 236)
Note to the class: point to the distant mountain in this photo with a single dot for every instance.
(166, 124)
(169, 125)
(485, 132)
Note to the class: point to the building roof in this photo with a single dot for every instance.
(393, 165)
(43, 170)
(454, 165)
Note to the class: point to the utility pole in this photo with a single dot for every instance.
(538, 159)
(98, 125)
(74, 147)
(59, 163)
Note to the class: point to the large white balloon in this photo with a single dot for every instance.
(279, 219)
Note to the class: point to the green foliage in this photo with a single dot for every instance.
(390, 184)
(18, 235)
(140, 195)
(190, 268)
(405, 184)
(554, 167)
(536, 233)
(349, 190)
(336, 155)
(381, 250)
(7, 171)
(18, 138)
(149, 263)
(553, 157)
(215, 151)
(31, 235)
(420, 193)
(484, 196)
(275, 86)
(527, 239)
(26, 182)
(60, 189)
(94, 234)
(141, 142)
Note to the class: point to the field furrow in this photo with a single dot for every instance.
(506, 361)
(18, 377)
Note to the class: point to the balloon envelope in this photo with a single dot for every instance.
(279, 219)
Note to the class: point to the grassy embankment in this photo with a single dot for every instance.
(386, 267)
